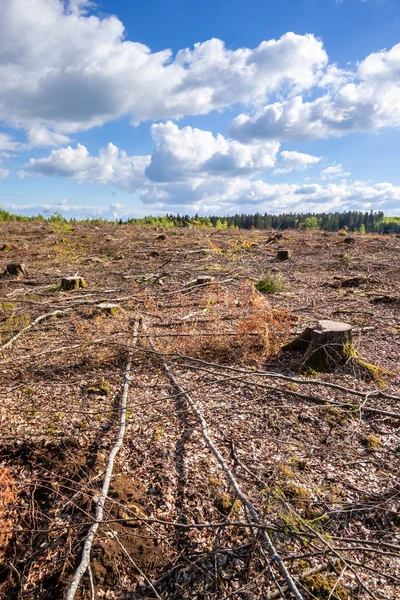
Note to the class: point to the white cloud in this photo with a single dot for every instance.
(7, 143)
(4, 173)
(68, 71)
(110, 166)
(369, 102)
(292, 160)
(191, 152)
(40, 136)
(243, 195)
(179, 155)
(333, 172)
(211, 174)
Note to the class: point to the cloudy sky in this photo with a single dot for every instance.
(118, 108)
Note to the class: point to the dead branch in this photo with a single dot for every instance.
(85, 559)
(55, 313)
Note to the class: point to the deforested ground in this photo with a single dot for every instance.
(318, 463)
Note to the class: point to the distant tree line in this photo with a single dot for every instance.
(354, 221)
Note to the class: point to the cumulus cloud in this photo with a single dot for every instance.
(191, 152)
(68, 71)
(369, 102)
(193, 171)
(333, 172)
(4, 173)
(179, 155)
(243, 195)
(292, 160)
(110, 166)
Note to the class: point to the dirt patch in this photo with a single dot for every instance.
(55, 485)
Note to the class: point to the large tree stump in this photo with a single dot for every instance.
(326, 346)
(72, 283)
(18, 269)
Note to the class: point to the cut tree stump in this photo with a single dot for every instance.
(283, 255)
(203, 279)
(18, 269)
(72, 283)
(109, 308)
(326, 346)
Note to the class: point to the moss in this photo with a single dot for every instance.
(350, 351)
(226, 505)
(378, 374)
(292, 387)
(285, 472)
(291, 490)
(102, 389)
(335, 416)
(292, 521)
(7, 306)
(213, 484)
(323, 587)
(371, 441)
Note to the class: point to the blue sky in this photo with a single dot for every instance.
(122, 109)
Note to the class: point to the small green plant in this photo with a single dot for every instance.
(346, 260)
(158, 433)
(269, 285)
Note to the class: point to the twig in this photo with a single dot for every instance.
(85, 559)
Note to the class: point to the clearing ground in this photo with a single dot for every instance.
(319, 464)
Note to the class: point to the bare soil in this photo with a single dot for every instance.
(321, 468)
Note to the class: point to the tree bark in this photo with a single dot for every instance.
(326, 346)
(72, 283)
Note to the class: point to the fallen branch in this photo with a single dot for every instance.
(85, 559)
(55, 313)
(228, 473)
(273, 375)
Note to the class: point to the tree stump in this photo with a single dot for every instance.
(161, 237)
(203, 279)
(326, 346)
(283, 255)
(18, 269)
(72, 283)
(109, 308)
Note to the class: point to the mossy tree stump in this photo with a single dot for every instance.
(326, 346)
(283, 255)
(109, 308)
(18, 269)
(72, 283)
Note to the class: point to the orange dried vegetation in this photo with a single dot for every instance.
(8, 497)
